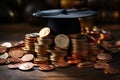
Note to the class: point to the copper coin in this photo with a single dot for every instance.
(101, 65)
(7, 44)
(3, 61)
(18, 44)
(61, 64)
(27, 57)
(46, 67)
(104, 56)
(14, 60)
(26, 66)
(3, 49)
(13, 66)
(16, 52)
(111, 70)
(85, 64)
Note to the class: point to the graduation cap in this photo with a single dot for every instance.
(64, 21)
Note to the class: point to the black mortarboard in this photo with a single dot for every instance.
(64, 21)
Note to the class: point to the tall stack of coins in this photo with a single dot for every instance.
(42, 45)
(30, 39)
(79, 48)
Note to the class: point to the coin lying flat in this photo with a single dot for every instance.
(101, 65)
(14, 60)
(62, 41)
(61, 64)
(85, 64)
(26, 66)
(27, 57)
(44, 32)
(7, 44)
(16, 52)
(3, 49)
(3, 61)
(46, 67)
(13, 66)
(104, 56)
(110, 70)
(4, 55)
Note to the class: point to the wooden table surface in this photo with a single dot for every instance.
(16, 32)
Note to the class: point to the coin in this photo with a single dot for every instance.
(85, 64)
(13, 60)
(26, 66)
(101, 65)
(7, 44)
(3, 61)
(62, 41)
(16, 52)
(4, 55)
(111, 70)
(13, 66)
(61, 64)
(27, 57)
(18, 44)
(44, 32)
(3, 49)
(46, 67)
(104, 56)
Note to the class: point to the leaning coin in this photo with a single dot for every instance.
(62, 41)
(46, 67)
(4, 55)
(3, 61)
(26, 66)
(3, 49)
(7, 44)
(16, 52)
(101, 65)
(27, 57)
(44, 32)
(13, 66)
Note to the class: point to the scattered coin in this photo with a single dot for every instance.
(7, 44)
(62, 41)
(27, 57)
(3, 49)
(16, 52)
(44, 32)
(46, 67)
(85, 64)
(13, 66)
(4, 55)
(14, 60)
(104, 56)
(111, 70)
(101, 65)
(61, 64)
(26, 66)
(3, 61)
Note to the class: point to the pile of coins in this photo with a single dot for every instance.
(47, 52)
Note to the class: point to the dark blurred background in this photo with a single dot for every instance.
(21, 10)
(16, 15)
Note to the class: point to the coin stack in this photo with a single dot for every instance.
(30, 39)
(57, 56)
(79, 48)
(93, 49)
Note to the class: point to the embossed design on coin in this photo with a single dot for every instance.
(62, 41)
(44, 32)
(27, 57)
(26, 66)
